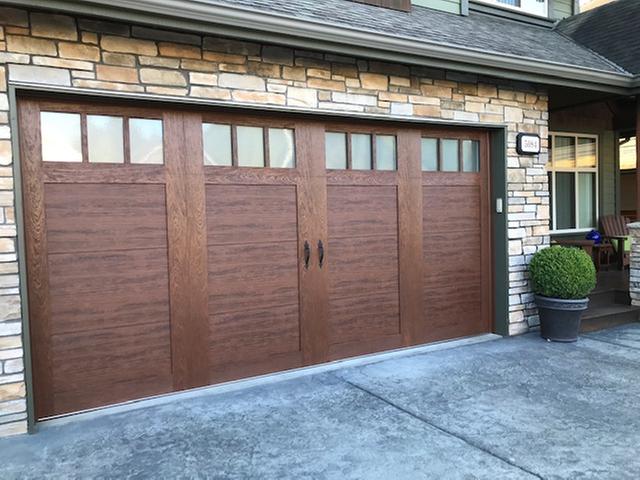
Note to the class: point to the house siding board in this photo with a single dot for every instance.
(559, 9)
(415, 92)
(450, 6)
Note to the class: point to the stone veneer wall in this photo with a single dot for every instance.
(87, 54)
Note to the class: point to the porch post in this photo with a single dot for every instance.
(638, 158)
(634, 268)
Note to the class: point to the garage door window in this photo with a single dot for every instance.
(61, 135)
(247, 146)
(145, 138)
(105, 139)
(450, 155)
(360, 151)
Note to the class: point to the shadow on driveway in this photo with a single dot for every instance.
(515, 408)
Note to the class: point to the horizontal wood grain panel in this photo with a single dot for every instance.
(223, 372)
(360, 347)
(452, 257)
(451, 179)
(92, 291)
(360, 266)
(361, 178)
(254, 334)
(100, 218)
(447, 209)
(250, 277)
(364, 317)
(362, 211)
(249, 176)
(246, 213)
(100, 173)
(109, 366)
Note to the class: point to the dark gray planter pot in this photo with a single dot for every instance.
(560, 319)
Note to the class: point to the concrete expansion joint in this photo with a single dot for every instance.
(428, 422)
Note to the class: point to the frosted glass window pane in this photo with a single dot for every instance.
(250, 147)
(282, 150)
(145, 141)
(586, 152)
(470, 156)
(105, 139)
(336, 150)
(565, 200)
(361, 151)
(586, 197)
(385, 152)
(564, 152)
(61, 137)
(429, 154)
(216, 141)
(450, 155)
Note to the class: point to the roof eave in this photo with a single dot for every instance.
(221, 20)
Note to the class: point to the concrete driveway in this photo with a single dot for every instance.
(516, 408)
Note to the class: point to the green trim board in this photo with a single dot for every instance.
(498, 173)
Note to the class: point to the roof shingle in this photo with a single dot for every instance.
(480, 32)
(611, 30)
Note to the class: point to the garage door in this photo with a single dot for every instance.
(169, 249)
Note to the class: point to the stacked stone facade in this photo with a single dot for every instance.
(57, 50)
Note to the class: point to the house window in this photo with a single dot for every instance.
(534, 7)
(573, 182)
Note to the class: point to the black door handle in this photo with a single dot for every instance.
(307, 255)
(320, 253)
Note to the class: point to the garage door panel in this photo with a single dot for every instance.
(239, 214)
(450, 209)
(249, 277)
(455, 255)
(98, 218)
(362, 266)
(111, 349)
(95, 392)
(358, 211)
(251, 335)
(110, 365)
(350, 316)
(147, 279)
(93, 290)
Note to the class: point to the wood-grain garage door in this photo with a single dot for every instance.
(169, 249)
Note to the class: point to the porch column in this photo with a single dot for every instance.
(634, 268)
(638, 158)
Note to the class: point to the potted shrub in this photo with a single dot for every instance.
(562, 278)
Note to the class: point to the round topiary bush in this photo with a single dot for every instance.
(562, 272)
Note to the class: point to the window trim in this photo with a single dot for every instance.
(512, 8)
(552, 193)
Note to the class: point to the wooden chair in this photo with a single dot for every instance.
(615, 231)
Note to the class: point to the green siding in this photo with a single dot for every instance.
(451, 6)
(559, 9)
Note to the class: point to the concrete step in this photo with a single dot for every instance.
(607, 316)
